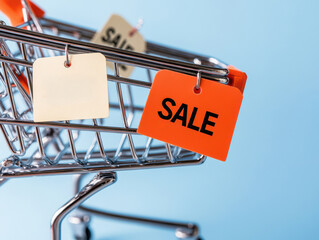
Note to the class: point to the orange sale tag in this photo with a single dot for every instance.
(201, 121)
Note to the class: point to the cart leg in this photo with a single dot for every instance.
(2, 181)
(184, 230)
(80, 226)
(80, 220)
(100, 181)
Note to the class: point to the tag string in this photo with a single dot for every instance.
(138, 27)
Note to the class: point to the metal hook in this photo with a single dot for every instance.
(137, 27)
(199, 76)
(67, 63)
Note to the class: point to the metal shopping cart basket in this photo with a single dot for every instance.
(52, 148)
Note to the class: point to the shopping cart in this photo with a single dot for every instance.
(104, 146)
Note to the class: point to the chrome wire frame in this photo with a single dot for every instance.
(34, 44)
(41, 162)
(81, 219)
(182, 229)
(43, 149)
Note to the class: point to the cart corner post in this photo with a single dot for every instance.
(100, 181)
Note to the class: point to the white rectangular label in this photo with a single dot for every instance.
(66, 93)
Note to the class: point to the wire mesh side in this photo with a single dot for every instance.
(52, 147)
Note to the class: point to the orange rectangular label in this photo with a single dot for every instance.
(200, 121)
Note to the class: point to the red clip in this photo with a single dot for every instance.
(13, 10)
(237, 78)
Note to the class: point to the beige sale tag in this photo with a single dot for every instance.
(66, 93)
(117, 32)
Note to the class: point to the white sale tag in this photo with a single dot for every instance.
(66, 93)
(117, 32)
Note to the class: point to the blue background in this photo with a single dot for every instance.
(268, 187)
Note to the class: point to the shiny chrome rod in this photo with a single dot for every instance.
(72, 126)
(186, 229)
(75, 168)
(151, 47)
(99, 182)
(113, 54)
